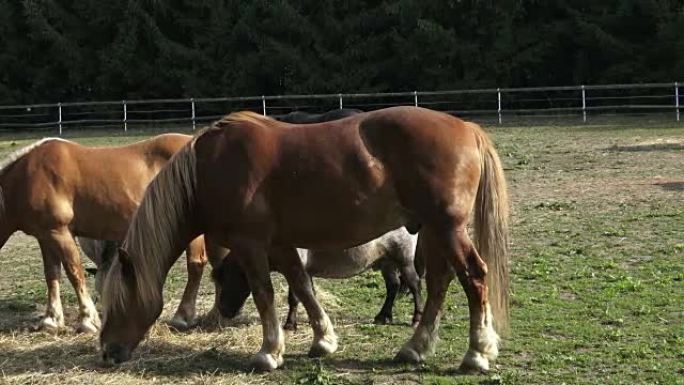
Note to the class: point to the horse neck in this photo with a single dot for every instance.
(164, 223)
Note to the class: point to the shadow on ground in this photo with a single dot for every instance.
(671, 186)
(17, 315)
(665, 146)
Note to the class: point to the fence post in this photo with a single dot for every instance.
(677, 99)
(415, 98)
(263, 103)
(498, 99)
(192, 104)
(59, 106)
(340, 96)
(584, 104)
(125, 116)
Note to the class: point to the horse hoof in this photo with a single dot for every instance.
(408, 356)
(180, 324)
(264, 362)
(322, 348)
(382, 320)
(87, 327)
(474, 363)
(290, 326)
(49, 325)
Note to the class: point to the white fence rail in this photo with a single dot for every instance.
(573, 104)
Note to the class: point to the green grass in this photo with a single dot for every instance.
(598, 286)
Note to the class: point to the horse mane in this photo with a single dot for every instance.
(248, 117)
(20, 153)
(156, 235)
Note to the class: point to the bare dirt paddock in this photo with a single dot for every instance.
(598, 286)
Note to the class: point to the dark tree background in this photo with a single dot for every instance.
(63, 50)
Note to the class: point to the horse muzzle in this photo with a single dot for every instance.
(115, 354)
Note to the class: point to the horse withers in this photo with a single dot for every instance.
(262, 188)
(55, 189)
(394, 254)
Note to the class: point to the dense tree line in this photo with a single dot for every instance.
(111, 49)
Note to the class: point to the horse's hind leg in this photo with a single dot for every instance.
(456, 249)
(392, 283)
(292, 304)
(410, 276)
(471, 270)
(438, 275)
(61, 243)
(196, 260)
(325, 339)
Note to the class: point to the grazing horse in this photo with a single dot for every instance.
(262, 188)
(300, 117)
(393, 253)
(101, 252)
(55, 189)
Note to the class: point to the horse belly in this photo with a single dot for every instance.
(332, 223)
(343, 263)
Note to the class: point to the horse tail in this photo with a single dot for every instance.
(491, 228)
(160, 230)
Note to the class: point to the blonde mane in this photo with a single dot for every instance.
(156, 236)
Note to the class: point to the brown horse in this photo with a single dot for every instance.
(257, 186)
(55, 189)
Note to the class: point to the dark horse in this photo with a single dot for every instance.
(301, 117)
(261, 188)
(394, 254)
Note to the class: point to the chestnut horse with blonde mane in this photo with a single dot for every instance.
(262, 188)
(55, 189)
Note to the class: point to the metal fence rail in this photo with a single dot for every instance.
(575, 104)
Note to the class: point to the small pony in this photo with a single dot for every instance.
(394, 254)
(262, 188)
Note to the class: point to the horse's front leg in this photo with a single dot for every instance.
(61, 243)
(254, 260)
(53, 320)
(196, 260)
(325, 339)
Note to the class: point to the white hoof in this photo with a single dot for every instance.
(323, 347)
(88, 326)
(264, 362)
(50, 324)
(409, 356)
(474, 362)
